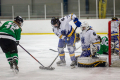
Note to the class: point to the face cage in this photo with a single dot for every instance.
(84, 29)
(56, 26)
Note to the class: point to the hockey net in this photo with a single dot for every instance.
(113, 60)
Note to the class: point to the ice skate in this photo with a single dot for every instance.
(15, 66)
(11, 65)
(73, 64)
(61, 63)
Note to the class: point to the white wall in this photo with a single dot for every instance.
(44, 26)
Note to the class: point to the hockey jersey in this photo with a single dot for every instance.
(10, 30)
(114, 31)
(90, 37)
(64, 25)
(103, 45)
(114, 26)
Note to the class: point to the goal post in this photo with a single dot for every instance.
(109, 43)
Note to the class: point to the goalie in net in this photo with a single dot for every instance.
(113, 41)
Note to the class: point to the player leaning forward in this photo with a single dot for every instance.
(10, 33)
(66, 34)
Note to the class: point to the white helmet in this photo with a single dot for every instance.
(85, 24)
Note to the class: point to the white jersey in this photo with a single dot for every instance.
(88, 38)
(114, 26)
(64, 25)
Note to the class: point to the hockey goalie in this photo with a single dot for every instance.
(90, 43)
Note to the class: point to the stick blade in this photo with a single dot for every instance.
(46, 68)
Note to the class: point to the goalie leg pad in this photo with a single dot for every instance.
(90, 62)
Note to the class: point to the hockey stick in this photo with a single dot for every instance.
(65, 51)
(58, 53)
(41, 67)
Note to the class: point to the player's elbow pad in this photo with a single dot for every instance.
(77, 22)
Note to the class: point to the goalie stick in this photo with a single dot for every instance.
(41, 67)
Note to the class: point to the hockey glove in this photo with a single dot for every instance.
(17, 43)
(77, 22)
(77, 37)
(63, 32)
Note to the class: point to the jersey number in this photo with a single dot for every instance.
(12, 28)
(104, 42)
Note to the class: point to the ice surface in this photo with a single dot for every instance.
(38, 46)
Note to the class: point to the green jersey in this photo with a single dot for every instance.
(12, 30)
(103, 45)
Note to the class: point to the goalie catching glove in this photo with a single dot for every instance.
(93, 49)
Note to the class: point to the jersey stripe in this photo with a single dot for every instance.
(96, 43)
(70, 32)
(60, 36)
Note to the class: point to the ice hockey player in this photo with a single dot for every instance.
(10, 33)
(103, 46)
(66, 34)
(115, 24)
(90, 43)
(114, 29)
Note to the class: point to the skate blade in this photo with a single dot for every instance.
(63, 64)
(15, 70)
(46, 68)
(72, 67)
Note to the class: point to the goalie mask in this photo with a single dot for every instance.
(55, 22)
(84, 27)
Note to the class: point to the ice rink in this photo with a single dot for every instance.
(38, 46)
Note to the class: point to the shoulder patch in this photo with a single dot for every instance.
(94, 33)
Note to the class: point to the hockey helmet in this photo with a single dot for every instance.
(114, 18)
(55, 21)
(19, 20)
(85, 26)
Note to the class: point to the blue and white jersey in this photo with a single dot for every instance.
(64, 25)
(114, 26)
(114, 30)
(90, 37)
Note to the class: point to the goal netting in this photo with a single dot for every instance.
(114, 57)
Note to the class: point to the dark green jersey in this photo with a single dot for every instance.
(11, 28)
(103, 45)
